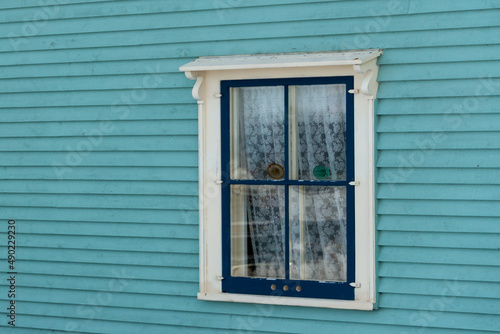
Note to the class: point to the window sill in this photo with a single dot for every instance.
(288, 301)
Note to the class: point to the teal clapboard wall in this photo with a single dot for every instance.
(109, 244)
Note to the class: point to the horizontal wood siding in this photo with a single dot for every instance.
(99, 168)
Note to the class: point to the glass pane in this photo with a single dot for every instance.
(257, 133)
(317, 115)
(318, 244)
(258, 231)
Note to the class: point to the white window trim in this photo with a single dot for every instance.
(208, 73)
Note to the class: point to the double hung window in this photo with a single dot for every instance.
(287, 151)
(286, 178)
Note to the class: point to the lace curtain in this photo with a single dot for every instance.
(317, 214)
(262, 142)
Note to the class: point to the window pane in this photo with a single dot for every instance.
(257, 133)
(318, 233)
(317, 128)
(258, 231)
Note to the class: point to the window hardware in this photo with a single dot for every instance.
(355, 285)
(354, 183)
(219, 278)
(353, 91)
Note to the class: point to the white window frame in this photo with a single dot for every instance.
(208, 73)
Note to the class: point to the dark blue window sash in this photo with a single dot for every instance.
(262, 286)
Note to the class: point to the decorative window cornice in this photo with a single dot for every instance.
(363, 61)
